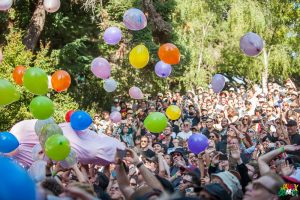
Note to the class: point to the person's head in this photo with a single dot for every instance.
(189, 179)
(214, 136)
(194, 129)
(242, 89)
(264, 188)
(250, 94)
(186, 126)
(224, 123)
(152, 108)
(214, 191)
(129, 113)
(115, 192)
(168, 131)
(253, 169)
(177, 155)
(137, 141)
(246, 121)
(223, 101)
(168, 159)
(125, 130)
(105, 115)
(53, 186)
(144, 141)
(292, 127)
(231, 112)
(133, 182)
(96, 117)
(157, 147)
(209, 123)
(269, 111)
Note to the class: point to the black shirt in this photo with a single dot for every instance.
(295, 139)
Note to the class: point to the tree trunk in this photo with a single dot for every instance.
(161, 30)
(265, 71)
(36, 26)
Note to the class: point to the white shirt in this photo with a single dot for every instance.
(184, 135)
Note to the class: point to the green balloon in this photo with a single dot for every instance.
(47, 131)
(8, 93)
(41, 107)
(36, 81)
(156, 122)
(57, 147)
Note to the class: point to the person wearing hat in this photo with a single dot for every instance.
(292, 128)
(116, 106)
(158, 147)
(214, 191)
(266, 187)
(178, 167)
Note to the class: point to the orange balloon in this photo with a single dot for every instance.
(18, 74)
(60, 80)
(169, 53)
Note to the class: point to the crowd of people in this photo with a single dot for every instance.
(253, 150)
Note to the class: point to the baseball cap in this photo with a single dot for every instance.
(116, 100)
(291, 123)
(216, 190)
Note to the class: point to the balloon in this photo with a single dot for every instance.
(80, 120)
(218, 83)
(13, 177)
(60, 80)
(5, 4)
(162, 69)
(49, 130)
(57, 147)
(112, 35)
(169, 54)
(51, 6)
(9, 93)
(41, 107)
(36, 152)
(70, 160)
(136, 93)
(197, 143)
(110, 85)
(41, 123)
(134, 19)
(8, 142)
(18, 74)
(68, 115)
(115, 116)
(156, 122)
(101, 68)
(139, 56)
(251, 44)
(173, 112)
(36, 81)
(37, 170)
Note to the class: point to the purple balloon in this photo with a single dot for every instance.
(112, 35)
(218, 83)
(251, 44)
(162, 69)
(134, 19)
(115, 116)
(101, 68)
(136, 93)
(197, 143)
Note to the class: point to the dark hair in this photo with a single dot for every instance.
(195, 178)
(167, 185)
(102, 180)
(52, 185)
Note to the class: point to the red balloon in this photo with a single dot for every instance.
(18, 74)
(68, 115)
(60, 80)
(169, 53)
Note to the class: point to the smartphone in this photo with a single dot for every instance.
(121, 153)
(114, 174)
(189, 190)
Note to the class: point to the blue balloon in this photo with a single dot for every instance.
(15, 183)
(8, 142)
(80, 120)
(197, 143)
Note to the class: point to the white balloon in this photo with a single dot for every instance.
(110, 85)
(69, 161)
(51, 6)
(37, 171)
(36, 151)
(5, 4)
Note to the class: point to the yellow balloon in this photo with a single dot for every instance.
(173, 112)
(139, 56)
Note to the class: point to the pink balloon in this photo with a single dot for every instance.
(136, 93)
(115, 116)
(5, 4)
(51, 6)
(90, 147)
(251, 44)
(101, 68)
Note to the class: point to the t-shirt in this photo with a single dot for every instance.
(295, 139)
(184, 135)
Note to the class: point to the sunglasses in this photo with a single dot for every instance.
(185, 124)
(145, 141)
(211, 136)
